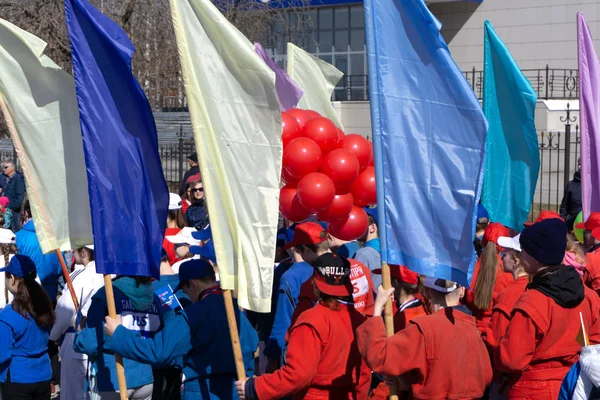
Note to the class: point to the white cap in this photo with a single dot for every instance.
(90, 246)
(184, 237)
(429, 282)
(510, 243)
(174, 201)
(7, 236)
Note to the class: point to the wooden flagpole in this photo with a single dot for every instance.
(388, 318)
(112, 313)
(234, 334)
(34, 193)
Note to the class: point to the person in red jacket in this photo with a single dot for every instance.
(540, 344)
(592, 243)
(363, 293)
(489, 278)
(323, 361)
(503, 306)
(175, 223)
(408, 306)
(440, 355)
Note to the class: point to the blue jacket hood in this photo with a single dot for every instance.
(141, 296)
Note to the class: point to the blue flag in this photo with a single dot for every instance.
(128, 193)
(512, 161)
(429, 137)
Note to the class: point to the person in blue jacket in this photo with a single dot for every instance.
(199, 333)
(288, 292)
(134, 300)
(25, 326)
(48, 266)
(167, 379)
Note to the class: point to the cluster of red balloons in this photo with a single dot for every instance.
(327, 173)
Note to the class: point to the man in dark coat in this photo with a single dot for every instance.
(14, 189)
(194, 169)
(571, 202)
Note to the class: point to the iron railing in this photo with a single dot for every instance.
(549, 83)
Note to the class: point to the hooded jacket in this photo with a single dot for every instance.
(136, 306)
(571, 202)
(540, 344)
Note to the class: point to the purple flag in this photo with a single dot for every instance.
(288, 92)
(589, 114)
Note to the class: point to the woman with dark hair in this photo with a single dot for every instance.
(25, 370)
(185, 198)
(134, 301)
(175, 222)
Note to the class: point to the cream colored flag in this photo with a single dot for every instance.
(317, 79)
(237, 128)
(43, 118)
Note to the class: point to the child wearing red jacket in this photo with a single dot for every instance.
(441, 355)
(408, 307)
(322, 361)
(540, 344)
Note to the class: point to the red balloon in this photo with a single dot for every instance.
(341, 166)
(340, 208)
(289, 205)
(323, 132)
(288, 180)
(316, 191)
(361, 147)
(372, 160)
(301, 156)
(363, 188)
(341, 134)
(352, 227)
(290, 128)
(302, 116)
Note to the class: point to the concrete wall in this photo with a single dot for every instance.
(355, 116)
(537, 32)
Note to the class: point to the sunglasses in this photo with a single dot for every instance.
(197, 190)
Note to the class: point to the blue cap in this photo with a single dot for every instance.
(286, 234)
(482, 212)
(372, 211)
(21, 266)
(194, 269)
(207, 250)
(203, 234)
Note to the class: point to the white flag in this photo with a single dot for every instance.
(237, 128)
(44, 123)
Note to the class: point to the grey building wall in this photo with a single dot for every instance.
(537, 32)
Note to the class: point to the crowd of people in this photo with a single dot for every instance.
(516, 333)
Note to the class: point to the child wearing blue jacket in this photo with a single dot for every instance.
(199, 333)
(134, 301)
(25, 326)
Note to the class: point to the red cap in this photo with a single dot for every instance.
(592, 224)
(545, 214)
(307, 233)
(493, 232)
(401, 273)
(194, 178)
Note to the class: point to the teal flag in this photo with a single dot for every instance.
(512, 160)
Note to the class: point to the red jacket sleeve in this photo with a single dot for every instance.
(304, 353)
(497, 329)
(516, 348)
(393, 356)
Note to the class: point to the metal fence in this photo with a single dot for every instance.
(559, 154)
(549, 83)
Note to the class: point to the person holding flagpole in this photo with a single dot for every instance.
(86, 283)
(199, 334)
(441, 355)
(322, 360)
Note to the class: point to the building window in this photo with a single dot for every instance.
(334, 34)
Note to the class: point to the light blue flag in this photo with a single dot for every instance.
(512, 158)
(429, 137)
